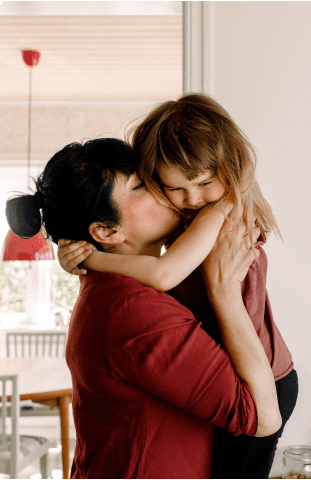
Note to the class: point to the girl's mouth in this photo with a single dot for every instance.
(190, 212)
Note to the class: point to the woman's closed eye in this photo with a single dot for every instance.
(139, 186)
(172, 189)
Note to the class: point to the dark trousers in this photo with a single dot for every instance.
(252, 457)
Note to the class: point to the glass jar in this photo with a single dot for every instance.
(297, 462)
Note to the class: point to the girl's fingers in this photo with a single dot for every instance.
(71, 254)
(70, 251)
(75, 255)
(63, 241)
(78, 271)
(70, 244)
(72, 264)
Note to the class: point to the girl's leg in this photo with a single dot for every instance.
(287, 391)
(252, 457)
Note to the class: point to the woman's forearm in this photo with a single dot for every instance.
(247, 355)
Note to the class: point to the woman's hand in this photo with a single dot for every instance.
(71, 253)
(228, 263)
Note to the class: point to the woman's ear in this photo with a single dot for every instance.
(104, 234)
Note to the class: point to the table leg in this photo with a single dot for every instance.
(64, 427)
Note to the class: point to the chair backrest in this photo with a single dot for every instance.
(9, 387)
(37, 344)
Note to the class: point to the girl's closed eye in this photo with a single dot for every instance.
(174, 189)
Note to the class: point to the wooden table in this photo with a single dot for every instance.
(45, 380)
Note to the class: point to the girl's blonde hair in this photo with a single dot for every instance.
(194, 134)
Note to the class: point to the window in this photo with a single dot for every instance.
(13, 287)
(141, 67)
(64, 288)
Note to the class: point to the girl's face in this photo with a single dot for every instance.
(190, 194)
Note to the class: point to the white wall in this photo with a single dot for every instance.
(261, 73)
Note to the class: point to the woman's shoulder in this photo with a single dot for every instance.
(117, 292)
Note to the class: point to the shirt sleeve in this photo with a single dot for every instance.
(156, 344)
(254, 291)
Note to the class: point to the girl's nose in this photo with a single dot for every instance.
(194, 198)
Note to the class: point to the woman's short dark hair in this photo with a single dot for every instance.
(73, 191)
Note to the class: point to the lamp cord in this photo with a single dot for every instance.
(29, 126)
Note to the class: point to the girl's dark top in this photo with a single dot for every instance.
(192, 294)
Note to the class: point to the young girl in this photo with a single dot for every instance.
(194, 157)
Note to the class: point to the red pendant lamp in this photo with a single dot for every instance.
(34, 248)
(37, 247)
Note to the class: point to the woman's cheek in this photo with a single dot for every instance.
(174, 198)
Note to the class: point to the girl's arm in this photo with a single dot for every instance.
(185, 254)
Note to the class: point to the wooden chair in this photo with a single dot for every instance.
(16, 452)
(37, 344)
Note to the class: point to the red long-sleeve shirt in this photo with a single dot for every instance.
(148, 384)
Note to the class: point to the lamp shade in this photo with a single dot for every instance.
(34, 248)
(31, 57)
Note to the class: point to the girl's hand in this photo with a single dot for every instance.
(71, 253)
